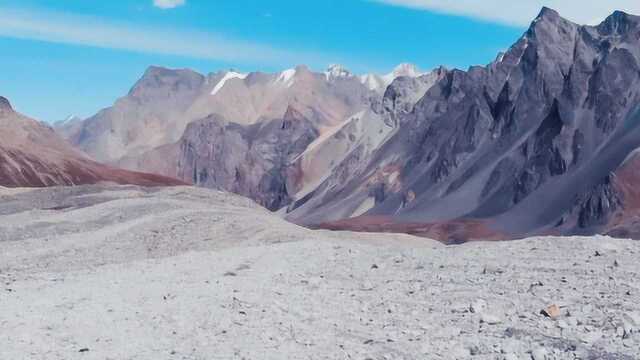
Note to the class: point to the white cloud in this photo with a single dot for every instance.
(521, 12)
(168, 4)
(97, 32)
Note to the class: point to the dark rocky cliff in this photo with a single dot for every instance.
(526, 145)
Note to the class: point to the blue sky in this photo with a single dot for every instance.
(77, 56)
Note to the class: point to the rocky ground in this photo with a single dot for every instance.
(185, 273)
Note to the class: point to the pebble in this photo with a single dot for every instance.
(490, 319)
(492, 270)
(539, 354)
(591, 337)
(563, 324)
(474, 350)
(551, 311)
(478, 306)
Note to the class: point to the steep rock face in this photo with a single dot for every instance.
(404, 92)
(625, 222)
(379, 83)
(521, 145)
(598, 207)
(251, 160)
(5, 105)
(33, 155)
(348, 155)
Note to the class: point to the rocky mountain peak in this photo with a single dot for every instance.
(547, 14)
(550, 29)
(335, 71)
(406, 69)
(5, 105)
(440, 70)
(153, 70)
(619, 23)
(156, 77)
(156, 73)
(548, 19)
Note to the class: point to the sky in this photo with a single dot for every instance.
(75, 57)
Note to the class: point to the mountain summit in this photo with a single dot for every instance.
(5, 105)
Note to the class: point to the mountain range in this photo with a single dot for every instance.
(271, 137)
(543, 140)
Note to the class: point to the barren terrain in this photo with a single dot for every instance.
(184, 273)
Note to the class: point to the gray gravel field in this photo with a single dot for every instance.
(100, 272)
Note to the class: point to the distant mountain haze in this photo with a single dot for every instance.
(33, 155)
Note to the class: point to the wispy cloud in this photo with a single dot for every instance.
(168, 4)
(521, 12)
(97, 32)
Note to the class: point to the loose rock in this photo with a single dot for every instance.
(551, 311)
(490, 319)
(478, 306)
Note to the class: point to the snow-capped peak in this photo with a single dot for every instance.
(337, 71)
(287, 77)
(403, 69)
(372, 81)
(227, 76)
(406, 69)
(69, 120)
(380, 82)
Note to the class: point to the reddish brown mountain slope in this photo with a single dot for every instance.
(33, 155)
(626, 221)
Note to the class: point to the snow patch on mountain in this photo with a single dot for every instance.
(287, 77)
(336, 71)
(68, 121)
(381, 82)
(228, 76)
(372, 81)
(405, 69)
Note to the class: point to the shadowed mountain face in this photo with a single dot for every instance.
(253, 160)
(33, 155)
(532, 143)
